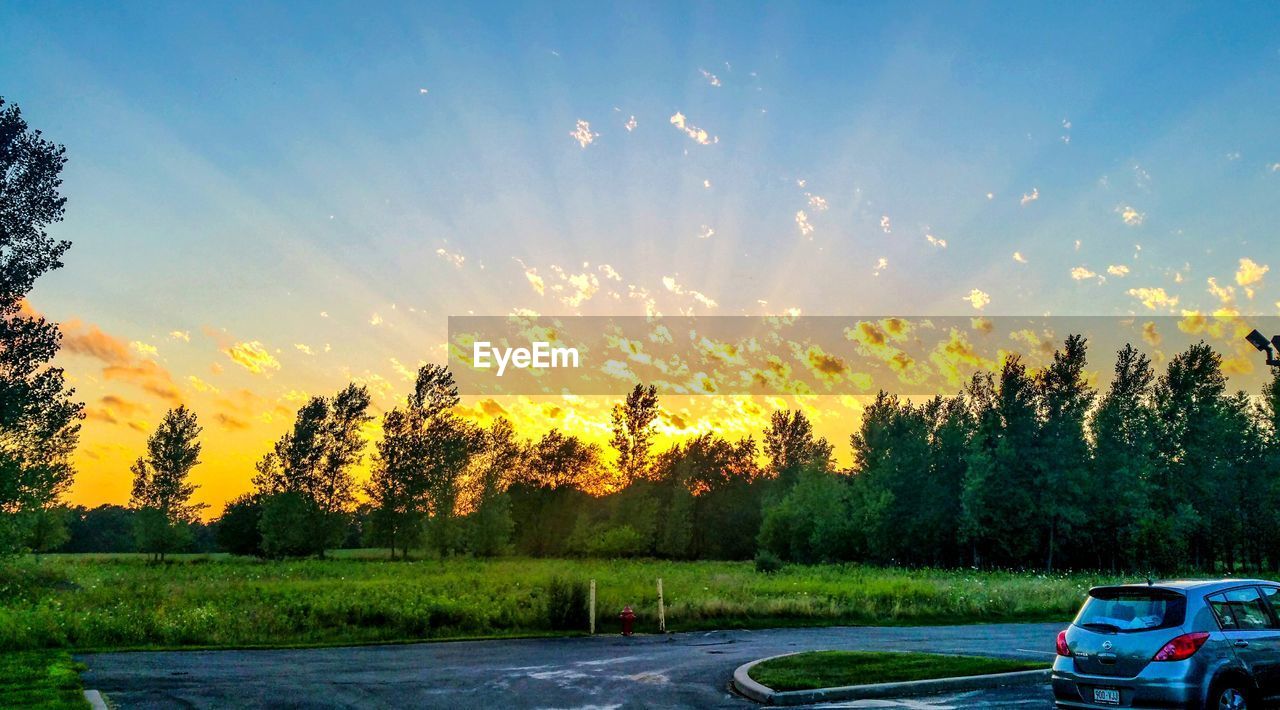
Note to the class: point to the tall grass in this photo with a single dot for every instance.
(122, 602)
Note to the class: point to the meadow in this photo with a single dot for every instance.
(98, 602)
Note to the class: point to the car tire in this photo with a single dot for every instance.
(1231, 695)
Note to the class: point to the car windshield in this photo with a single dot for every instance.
(1119, 610)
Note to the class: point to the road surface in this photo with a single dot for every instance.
(674, 671)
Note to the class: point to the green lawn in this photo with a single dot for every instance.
(830, 669)
(118, 602)
(40, 679)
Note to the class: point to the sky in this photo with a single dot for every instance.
(267, 201)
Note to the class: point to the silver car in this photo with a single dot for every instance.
(1189, 644)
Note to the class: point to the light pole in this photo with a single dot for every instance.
(1259, 341)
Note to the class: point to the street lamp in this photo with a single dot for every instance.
(1259, 341)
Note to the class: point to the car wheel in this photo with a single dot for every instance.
(1230, 696)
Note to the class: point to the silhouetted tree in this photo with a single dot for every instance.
(161, 489)
(314, 461)
(1065, 398)
(633, 432)
(39, 421)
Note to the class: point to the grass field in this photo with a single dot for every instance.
(831, 669)
(122, 602)
(44, 680)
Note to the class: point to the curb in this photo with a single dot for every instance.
(95, 700)
(765, 695)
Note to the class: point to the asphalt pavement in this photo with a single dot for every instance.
(684, 670)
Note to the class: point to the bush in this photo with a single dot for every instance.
(237, 529)
(288, 526)
(767, 562)
(567, 608)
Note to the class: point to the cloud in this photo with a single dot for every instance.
(712, 79)
(978, 299)
(630, 125)
(706, 232)
(574, 289)
(1118, 270)
(145, 349)
(1131, 217)
(610, 273)
(253, 356)
(117, 410)
(200, 385)
(881, 264)
(583, 134)
(118, 360)
(453, 258)
(1018, 257)
(1153, 298)
(673, 286)
(1249, 274)
(183, 335)
(698, 135)
(375, 319)
(1225, 294)
(802, 221)
(940, 243)
(885, 225)
(303, 348)
(1029, 197)
(817, 202)
(531, 275)
(1081, 273)
(1150, 335)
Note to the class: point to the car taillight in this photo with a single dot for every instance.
(1062, 644)
(1182, 647)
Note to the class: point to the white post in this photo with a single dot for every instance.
(662, 612)
(592, 607)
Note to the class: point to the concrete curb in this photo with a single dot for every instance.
(749, 688)
(95, 700)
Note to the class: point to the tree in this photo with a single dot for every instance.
(892, 477)
(46, 529)
(998, 497)
(395, 486)
(1191, 467)
(791, 447)
(314, 460)
(39, 421)
(161, 489)
(1065, 399)
(491, 523)
(812, 523)
(559, 460)
(633, 432)
(1118, 490)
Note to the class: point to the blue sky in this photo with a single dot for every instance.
(275, 174)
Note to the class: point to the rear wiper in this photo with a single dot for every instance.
(1101, 626)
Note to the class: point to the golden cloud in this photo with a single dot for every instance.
(253, 356)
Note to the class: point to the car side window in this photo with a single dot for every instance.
(1248, 609)
(1272, 595)
(1227, 620)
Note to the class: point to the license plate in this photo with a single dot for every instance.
(1106, 696)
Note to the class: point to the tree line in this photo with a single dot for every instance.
(1159, 472)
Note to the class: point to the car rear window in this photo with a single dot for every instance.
(1118, 610)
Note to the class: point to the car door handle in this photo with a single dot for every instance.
(1241, 644)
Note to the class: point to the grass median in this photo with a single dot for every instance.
(833, 669)
(40, 680)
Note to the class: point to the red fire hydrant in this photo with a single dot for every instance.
(628, 620)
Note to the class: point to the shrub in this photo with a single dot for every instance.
(567, 605)
(767, 562)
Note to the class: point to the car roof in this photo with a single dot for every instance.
(1185, 585)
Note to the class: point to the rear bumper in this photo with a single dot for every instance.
(1159, 685)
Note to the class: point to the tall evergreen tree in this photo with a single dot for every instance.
(1118, 491)
(161, 488)
(1065, 398)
